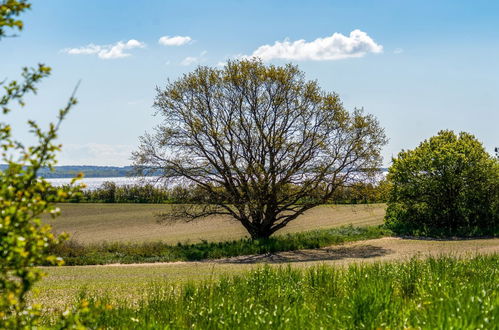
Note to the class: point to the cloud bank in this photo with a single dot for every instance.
(334, 47)
(174, 41)
(113, 51)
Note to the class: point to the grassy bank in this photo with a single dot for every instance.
(106, 253)
(431, 293)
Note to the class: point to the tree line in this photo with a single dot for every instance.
(110, 192)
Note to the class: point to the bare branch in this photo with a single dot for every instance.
(260, 141)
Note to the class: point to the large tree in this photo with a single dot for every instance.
(263, 143)
(448, 185)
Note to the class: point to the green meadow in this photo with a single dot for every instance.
(345, 272)
(442, 292)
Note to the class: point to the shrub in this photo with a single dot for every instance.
(448, 185)
(24, 197)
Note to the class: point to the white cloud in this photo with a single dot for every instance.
(174, 41)
(112, 51)
(96, 154)
(90, 49)
(190, 60)
(334, 47)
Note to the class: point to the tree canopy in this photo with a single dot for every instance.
(264, 143)
(448, 185)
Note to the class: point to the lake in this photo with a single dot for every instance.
(94, 183)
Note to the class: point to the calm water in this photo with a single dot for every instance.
(93, 183)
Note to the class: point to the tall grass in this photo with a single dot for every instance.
(435, 293)
(75, 253)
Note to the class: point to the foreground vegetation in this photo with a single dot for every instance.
(106, 253)
(57, 291)
(432, 293)
(24, 197)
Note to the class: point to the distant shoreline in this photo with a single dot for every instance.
(91, 171)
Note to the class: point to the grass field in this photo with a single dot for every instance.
(94, 223)
(62, 284)
(437, 291)
(145, 252)
(442, 292)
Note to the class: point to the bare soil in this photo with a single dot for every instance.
(95, 223)
(381, 249)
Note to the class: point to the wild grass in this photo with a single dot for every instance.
(75, 253)
(432, 293)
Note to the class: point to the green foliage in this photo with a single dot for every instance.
(24, 240)
(435, 293)
(448, 185)
(87, 311)
(362, 193)
(110, 192)
(9, 10)
(108, 253)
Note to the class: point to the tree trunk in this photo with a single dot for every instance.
(260, 231)
(263, 229)
(261, 234)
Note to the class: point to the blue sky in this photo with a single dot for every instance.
(419, 66)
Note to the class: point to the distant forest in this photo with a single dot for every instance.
(88, 171)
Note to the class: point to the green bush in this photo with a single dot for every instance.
(24, 240)
(448, 185)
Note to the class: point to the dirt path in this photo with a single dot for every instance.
(382, 249)
(131, 281)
